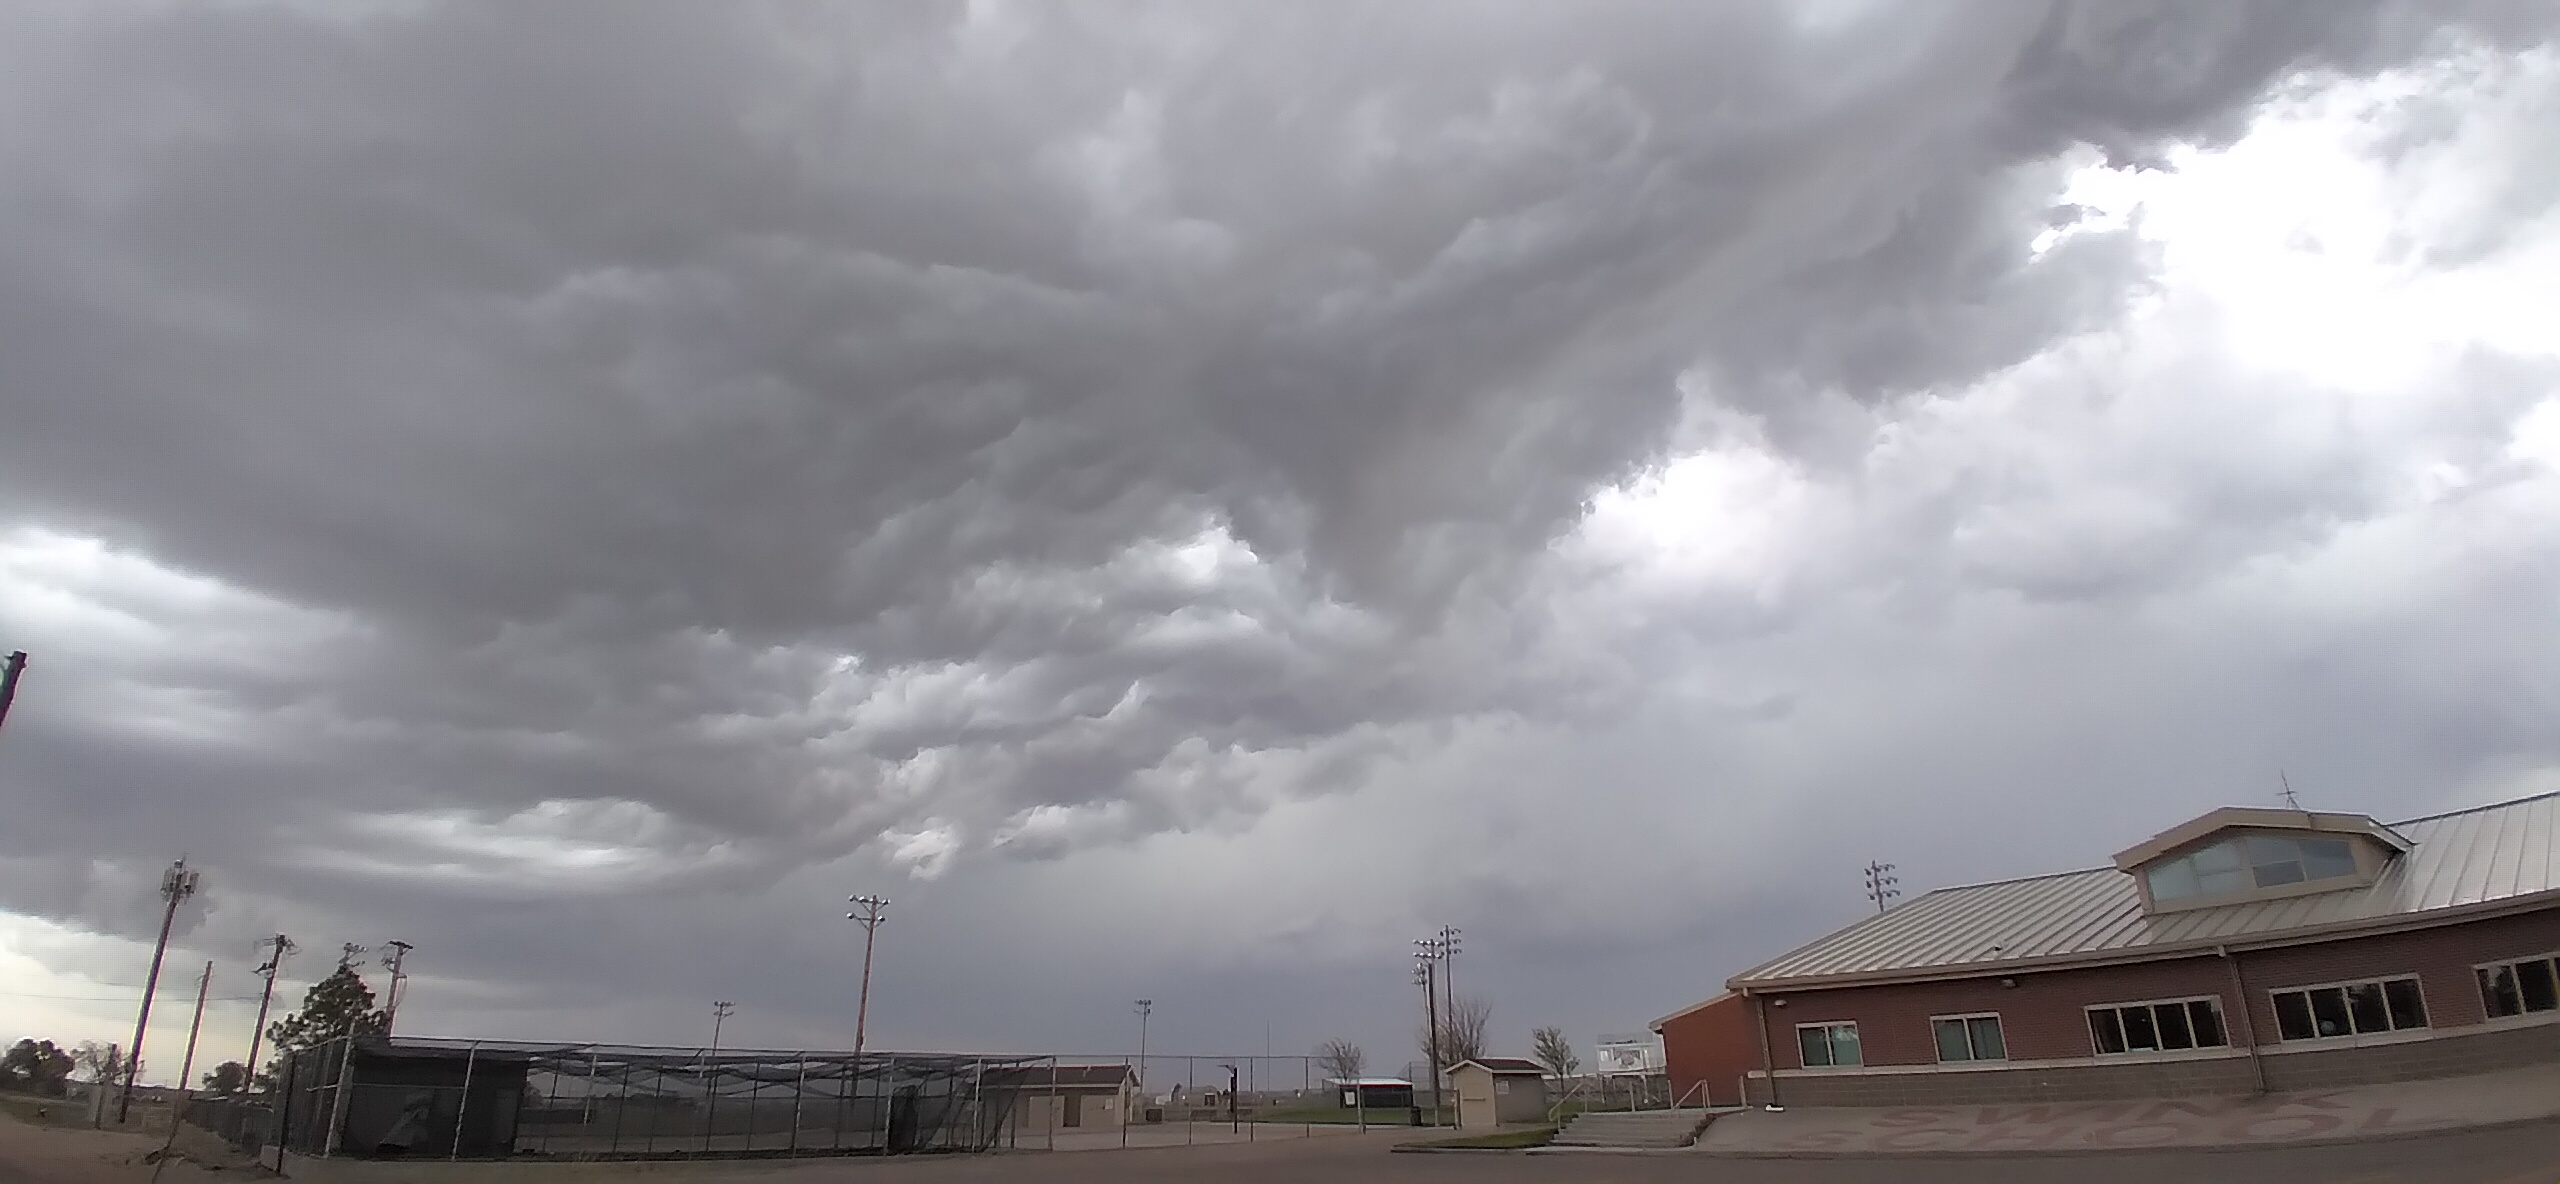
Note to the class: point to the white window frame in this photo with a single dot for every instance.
(2424, 1003)
(2507, 963)
(1852, 1025)
(2221, 1018)
(1992, 1016)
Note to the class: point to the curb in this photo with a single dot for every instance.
(2091, 1152)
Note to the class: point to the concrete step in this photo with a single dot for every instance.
(1636, 1128)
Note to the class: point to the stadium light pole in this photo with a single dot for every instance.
(1449, 968)
(176, 884)
(867, 910)
(1424, 976)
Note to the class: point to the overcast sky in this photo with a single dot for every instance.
(1185, 499)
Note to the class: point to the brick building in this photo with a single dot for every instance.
(2245, 951)
(1708, 1048)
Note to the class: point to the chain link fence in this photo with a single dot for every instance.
(454, 1100)
(440, 1099)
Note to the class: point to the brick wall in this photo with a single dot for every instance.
(1715, 1044)
(2218, 1077)
(2044, 1017)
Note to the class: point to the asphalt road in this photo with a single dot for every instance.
(2516, 1155)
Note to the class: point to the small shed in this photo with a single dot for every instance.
(1498, 1091)
(1374, 1093)
(1073, 1097)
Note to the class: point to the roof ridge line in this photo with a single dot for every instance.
(2110, 867)
(2531, 797)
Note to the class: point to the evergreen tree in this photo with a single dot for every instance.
(227, 1079)
(37, 1067)
(335, 1006)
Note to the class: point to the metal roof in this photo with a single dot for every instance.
(2461, 860)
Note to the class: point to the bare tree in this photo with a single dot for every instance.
(1463, 1030)
(1341, 1059)
(1555, 1052)
(99, 1061)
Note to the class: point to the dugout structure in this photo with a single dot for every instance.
(409, 1098)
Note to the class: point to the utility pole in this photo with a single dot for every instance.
(391, 1001)
(866, 913)
(282, 946)
(1425, 976)
(1880, 884)
(721, 1010)
(1146, 1007)
(177, 1108)
(176, 884)
(10, 668)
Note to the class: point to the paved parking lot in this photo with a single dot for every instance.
(2514, 1155)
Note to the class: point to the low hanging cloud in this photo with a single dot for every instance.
(557, 447)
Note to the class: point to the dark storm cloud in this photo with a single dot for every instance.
(790, 418)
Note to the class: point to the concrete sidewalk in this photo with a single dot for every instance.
(2354, 1114)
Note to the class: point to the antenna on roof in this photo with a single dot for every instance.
(2288, 791)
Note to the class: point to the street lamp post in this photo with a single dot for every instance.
(176, 884)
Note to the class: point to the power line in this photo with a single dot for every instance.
(112, 998)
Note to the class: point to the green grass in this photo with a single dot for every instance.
(1536, 1136)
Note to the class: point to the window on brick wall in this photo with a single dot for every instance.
(1828, 1046)
(2349, 1009)
(2517, 988)
(1969, 1038)
(2161, 1025)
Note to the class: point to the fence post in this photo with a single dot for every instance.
(462, 1108)
(799, 1089)
(621, 1106)
(979, 1137)
(284, 1107)
(888, 1107)
(849, 1077)
(649, 1129)
(755, 1105)
(338, 1095)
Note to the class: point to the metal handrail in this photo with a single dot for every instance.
(1580, 1085)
